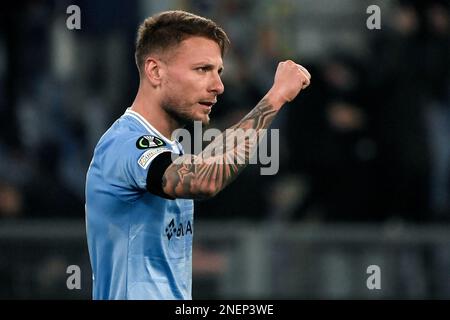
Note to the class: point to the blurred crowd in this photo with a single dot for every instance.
(368, 141)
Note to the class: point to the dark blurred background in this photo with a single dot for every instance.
(364, 172)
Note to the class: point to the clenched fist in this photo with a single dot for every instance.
(290, 78)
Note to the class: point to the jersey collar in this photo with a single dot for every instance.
(148, 126)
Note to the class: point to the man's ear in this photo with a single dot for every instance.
(153, 70)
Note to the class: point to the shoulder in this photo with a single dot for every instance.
(125, 133)
(127, 143)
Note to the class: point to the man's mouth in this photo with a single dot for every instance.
(207, 103)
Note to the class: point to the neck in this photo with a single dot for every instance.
(148, 107)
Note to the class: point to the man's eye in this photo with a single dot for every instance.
(202, 69)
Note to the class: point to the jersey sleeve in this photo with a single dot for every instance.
(129, 160)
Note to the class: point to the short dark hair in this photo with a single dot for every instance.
(167, 29)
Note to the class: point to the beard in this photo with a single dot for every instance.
(182, 113)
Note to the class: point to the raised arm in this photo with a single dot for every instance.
(204, 175)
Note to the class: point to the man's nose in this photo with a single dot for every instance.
(217, 85)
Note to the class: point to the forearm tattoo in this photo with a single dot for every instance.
(203, 175)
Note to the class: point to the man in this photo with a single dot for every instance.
(139, 207)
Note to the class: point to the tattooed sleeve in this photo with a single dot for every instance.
(204, 175)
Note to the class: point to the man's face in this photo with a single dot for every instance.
(191, 81)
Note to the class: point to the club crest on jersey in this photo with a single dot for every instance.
(179, 230)
(146, 142)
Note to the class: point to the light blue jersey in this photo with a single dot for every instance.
(140, 244)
